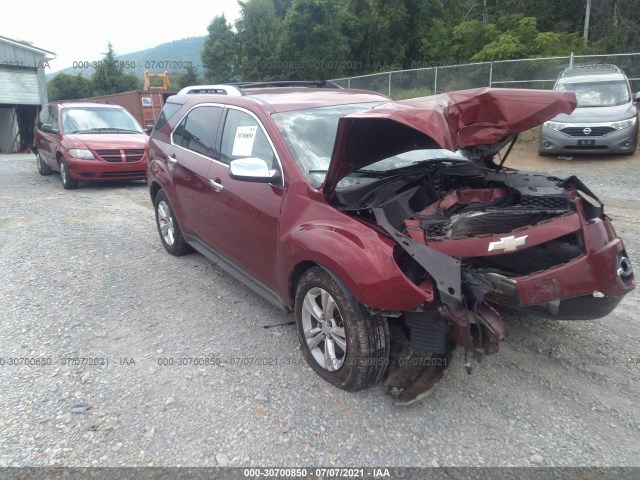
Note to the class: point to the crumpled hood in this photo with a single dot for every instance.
(454, 120)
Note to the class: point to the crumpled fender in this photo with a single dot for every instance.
(362, 260)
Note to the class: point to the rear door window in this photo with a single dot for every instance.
(198, 131)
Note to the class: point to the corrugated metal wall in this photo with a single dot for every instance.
(19, 86)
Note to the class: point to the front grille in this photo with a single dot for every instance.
(110, 155)
(595, 131)
(114, 156)
(544, 203)
(132, 174)
(134, 154)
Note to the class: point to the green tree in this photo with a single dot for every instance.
(312, 36)
(218, 52)
(68, 87)
(470, 37)
(258, 31)
(280, 7)
(185, 79)
(109, 76)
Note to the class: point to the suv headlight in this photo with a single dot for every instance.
(555, 125)
(81, 153)
(624, 123)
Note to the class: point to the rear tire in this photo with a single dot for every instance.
(43, 168)
(340, 340)
(168, 226)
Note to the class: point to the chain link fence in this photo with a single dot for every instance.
(539, 73)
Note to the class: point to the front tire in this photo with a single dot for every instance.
(68, 183)
(340, 340)
(43, 168)
(168, 227)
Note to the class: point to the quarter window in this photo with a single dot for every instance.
(44, 117)
(53, 118)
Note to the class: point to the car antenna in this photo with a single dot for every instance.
(504, 159)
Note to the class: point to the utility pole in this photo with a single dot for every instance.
(587, 14)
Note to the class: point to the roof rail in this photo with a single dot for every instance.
(219, 89)
(287, 83)
(580, 69)
(236, 88)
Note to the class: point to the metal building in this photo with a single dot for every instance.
(23, 90)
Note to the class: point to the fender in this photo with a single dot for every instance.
(361, 259)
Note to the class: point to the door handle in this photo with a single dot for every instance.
(172, 158)
(216, 184)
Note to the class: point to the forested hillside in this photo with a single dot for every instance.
(325, 39)
(311, 39)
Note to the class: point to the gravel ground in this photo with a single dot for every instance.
(83, 275)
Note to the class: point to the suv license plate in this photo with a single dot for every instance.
(586, 142)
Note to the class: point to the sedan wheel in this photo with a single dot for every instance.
(68, 183)
(324, 329)
(168, 226)
(341, 341)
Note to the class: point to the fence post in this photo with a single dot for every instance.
(490, 74)
(348, 83)
(571, 60)
(389, 84)
(435, 82)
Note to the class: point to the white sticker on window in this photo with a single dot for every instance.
(243, 143)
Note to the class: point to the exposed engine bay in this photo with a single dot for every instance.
(467, 233)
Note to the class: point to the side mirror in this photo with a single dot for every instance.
(252, 170)
(46, 127)
(148, 129)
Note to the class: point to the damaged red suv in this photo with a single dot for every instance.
(392, 230)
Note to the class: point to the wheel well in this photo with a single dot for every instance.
(296, 275)
(153, 190)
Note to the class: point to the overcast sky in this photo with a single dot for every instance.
(79, 30)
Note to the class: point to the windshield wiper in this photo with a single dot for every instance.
(126, 130)
(109, 129)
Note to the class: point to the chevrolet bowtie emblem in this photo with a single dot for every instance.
(508, 244)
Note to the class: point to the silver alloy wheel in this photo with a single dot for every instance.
(323, 329)
(63, 173)
(165, 222)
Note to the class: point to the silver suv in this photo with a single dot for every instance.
(606, 119)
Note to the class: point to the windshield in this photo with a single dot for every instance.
(98, 119)
(311, 133)
(598, 94)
